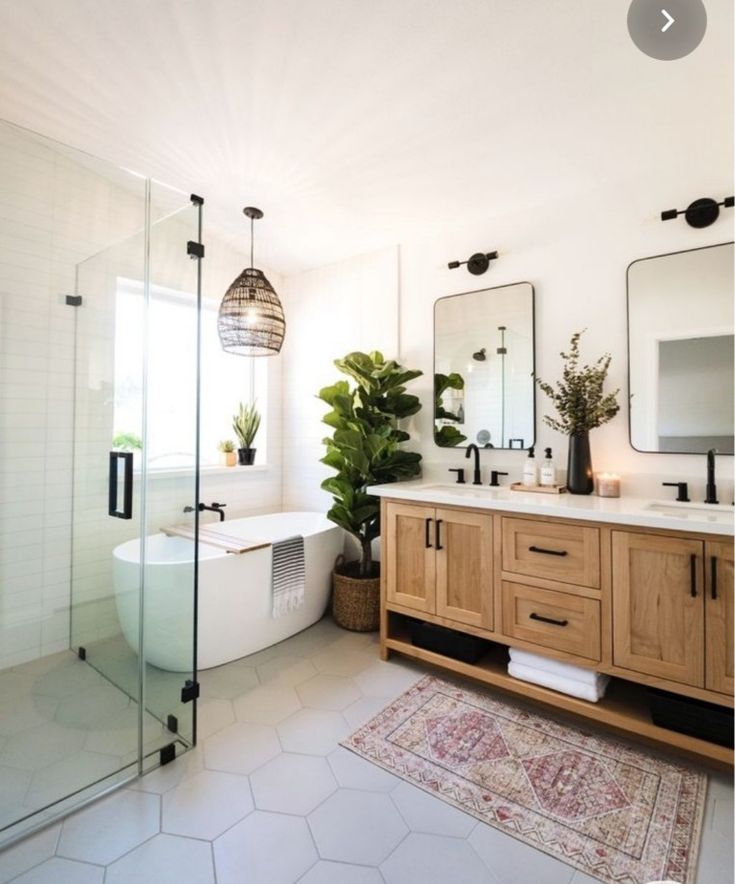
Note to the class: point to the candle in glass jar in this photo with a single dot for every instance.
(608, 485)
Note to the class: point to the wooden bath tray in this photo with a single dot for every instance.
(539, 489)
(216, 537)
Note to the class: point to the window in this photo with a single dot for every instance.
(226, 379)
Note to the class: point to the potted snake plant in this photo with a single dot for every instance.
(365, 449)
(246, 424)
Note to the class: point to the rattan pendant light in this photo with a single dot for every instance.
(251, 320)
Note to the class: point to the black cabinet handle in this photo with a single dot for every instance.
(427, 533)
(112, 508)
(713, 565)
(693, 574)
(535, 616)
(439, 534)
(548, 552)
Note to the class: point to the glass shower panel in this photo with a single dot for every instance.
(171, 474)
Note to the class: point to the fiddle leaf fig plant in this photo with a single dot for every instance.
(445, 435)
(365, 446)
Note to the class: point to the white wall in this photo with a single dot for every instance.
(330, 312)
(575, 253)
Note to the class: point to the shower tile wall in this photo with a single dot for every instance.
(54, 213)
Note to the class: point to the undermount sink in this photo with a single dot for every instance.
(468, 490)
(709, 512)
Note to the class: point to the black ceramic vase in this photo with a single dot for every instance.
(579, 465)
(246, 456)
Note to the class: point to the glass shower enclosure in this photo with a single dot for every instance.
(100, 299)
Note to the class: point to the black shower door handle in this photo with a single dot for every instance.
(112, 503)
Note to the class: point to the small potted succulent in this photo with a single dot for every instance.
(228, 453)
(246, 424)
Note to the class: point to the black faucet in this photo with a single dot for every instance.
(477, 476)
(212, 508)
(711, 496)
(494, 478)
(682, 490)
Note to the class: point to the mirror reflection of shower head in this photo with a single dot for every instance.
(480, 355)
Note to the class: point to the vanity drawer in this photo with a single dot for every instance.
(558, 620)
(552, 550)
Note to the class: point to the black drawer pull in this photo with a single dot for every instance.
(548, 552)
(693, 574)
(439, 534)
(427, 533)
(713, 564)
(535, 616)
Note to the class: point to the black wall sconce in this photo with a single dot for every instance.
(700, 213)
(477, 264)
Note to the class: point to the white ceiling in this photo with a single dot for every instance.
(357, 123)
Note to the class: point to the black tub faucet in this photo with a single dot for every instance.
(218, 508)
(477, 476)
(711, 495)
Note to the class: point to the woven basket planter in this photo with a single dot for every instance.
(355, 600)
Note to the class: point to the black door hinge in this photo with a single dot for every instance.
(167, 754)
(82, 653)
(172, 724)
(194, 249)
(190, 691)
(73, 300)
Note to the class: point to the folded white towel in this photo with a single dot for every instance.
(565, 670)
(593, 693)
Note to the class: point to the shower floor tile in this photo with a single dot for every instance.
(268, 795)
(63, 726)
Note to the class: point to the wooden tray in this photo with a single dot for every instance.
(215, 537)
(539, 489)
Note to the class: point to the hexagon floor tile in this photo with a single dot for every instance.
(241, 748)
(206, 805)
(267, 704)
(312, 731)
(164, 858)
(68, 871)
(265, 848)
(326, 872)
(110, 827)
(328, 692)
(357, 827)
(292, 784)
(433, 859)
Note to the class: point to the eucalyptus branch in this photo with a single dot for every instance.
(579, 397)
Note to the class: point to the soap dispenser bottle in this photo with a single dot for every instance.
(530, 470)
(548, 470)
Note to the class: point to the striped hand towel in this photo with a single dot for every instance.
(288, 575)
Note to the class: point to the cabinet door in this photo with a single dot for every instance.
(464, 567)
(718, 607)
(410, 557)
(658, 606)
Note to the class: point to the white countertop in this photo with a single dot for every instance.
(698, 518)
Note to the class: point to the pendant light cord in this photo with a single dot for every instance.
(252, 221)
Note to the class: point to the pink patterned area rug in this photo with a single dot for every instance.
(616, 812)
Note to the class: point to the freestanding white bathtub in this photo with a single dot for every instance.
(235, 595)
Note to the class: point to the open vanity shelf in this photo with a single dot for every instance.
(637, 604)
(624, 708)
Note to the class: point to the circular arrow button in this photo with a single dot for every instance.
(667, 29)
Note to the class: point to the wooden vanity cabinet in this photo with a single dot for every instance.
(658, 606)
(718, 626)
(440, 561)
(651, 608)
